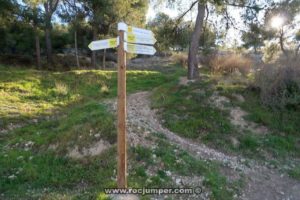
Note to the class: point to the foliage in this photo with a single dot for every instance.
(226, 64)
(253, 37)
(271, 52)
(180, 58)
(285, 33)
(279, 85)
(171, 35)
(163, 28)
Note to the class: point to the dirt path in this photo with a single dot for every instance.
(262, 183)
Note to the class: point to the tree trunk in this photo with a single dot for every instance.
(48, 45)
(282, 45)
(104, 59)
(193, 71)
(48, 16)
(76, 49)
(38, 50)
(94, 66)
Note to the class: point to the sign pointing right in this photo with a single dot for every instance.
(139, 38)
(139, 49)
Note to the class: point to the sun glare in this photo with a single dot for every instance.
(277, 22)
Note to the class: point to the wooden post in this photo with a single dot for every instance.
(122, 142)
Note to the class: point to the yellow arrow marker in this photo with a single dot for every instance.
(112, 42)
(103, 44)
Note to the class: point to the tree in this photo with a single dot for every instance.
(194, 44)
(162, 26)
(280, 20)
(50, 7)
(104, 15)
(33, 16)
(71, 12)
(254, 37)
(221, 8)
(96, 12)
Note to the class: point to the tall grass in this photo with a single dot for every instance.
(279, 84)
(230, 63)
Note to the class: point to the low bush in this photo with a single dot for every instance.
(181, 58)
(227, 64)
(279, 84)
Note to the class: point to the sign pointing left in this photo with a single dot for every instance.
(103, 44)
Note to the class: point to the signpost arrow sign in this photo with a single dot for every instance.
(140, 38)
(103, 44)
(139, 49)
(134, 30)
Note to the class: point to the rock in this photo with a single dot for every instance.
(178, 181)
(239, 97)
(235, 142)
(168, 173)
(11, 177)
(20, 158)
(111, 64)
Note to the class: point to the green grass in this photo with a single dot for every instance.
(295, 173)
(27, 94)
(186, 111)
(283, 120)
(284, 137)
(68, 111)
(34, 172)
(171, 158)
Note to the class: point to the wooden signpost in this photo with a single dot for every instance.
(130, 40)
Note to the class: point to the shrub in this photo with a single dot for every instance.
(279, 84)
(181, 58)
(230, 63)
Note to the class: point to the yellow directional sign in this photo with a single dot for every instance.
(103, 44)
(140, 38)
(139, 49)
(134, 30)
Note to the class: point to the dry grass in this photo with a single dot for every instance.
(180, 58)
(279, 84)
(230, 63)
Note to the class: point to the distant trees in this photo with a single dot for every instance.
(280, 24)
(49, 7)
(103, 16)
(220, 8)
(254, 37)
(32, 15)
(176, 36)
(62, 23)
(72, 13)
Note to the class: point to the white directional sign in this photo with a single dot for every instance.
(103, 44)
(134, 30)
(139, 49)
(139, 38)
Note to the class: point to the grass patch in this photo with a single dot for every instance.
(295, 173)
(170, 158)
(67, 111)
(186, 110)
(27, 174)
(27, 94)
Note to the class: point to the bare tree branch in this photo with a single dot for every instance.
(183, 14)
